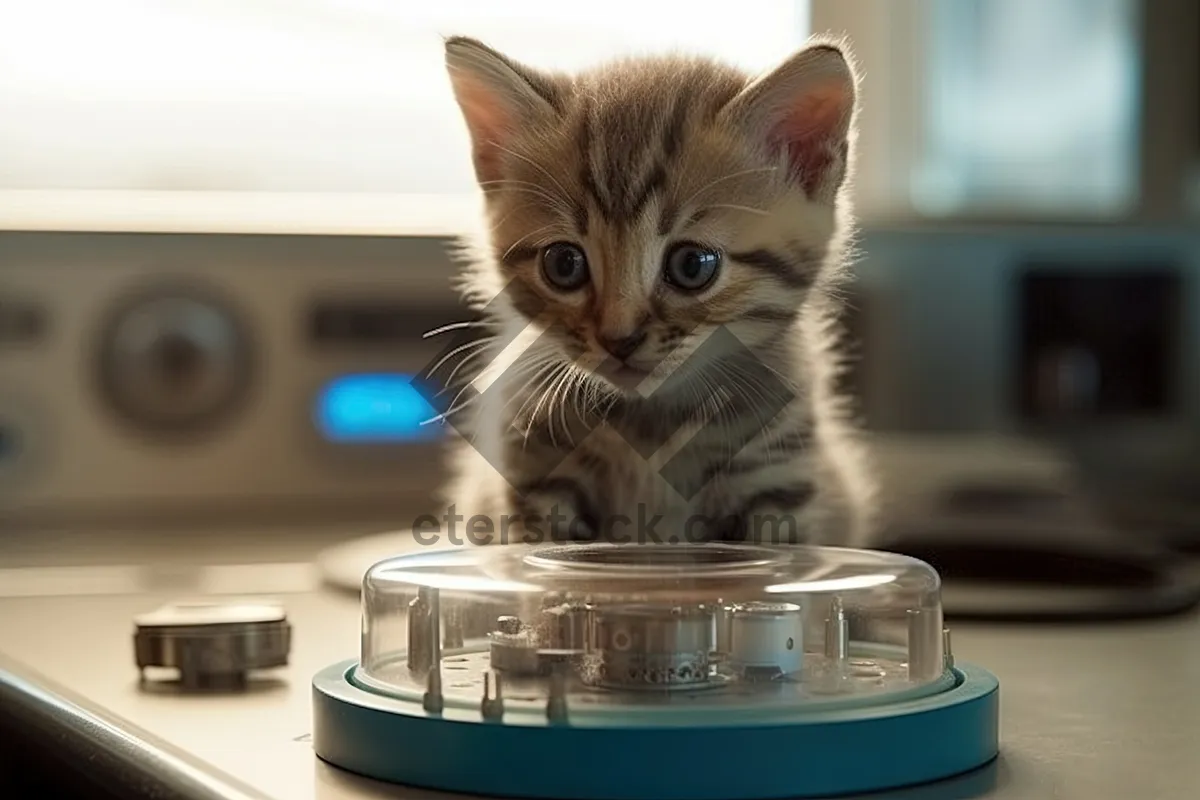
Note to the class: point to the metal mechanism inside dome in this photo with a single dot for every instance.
(561, 648)
(648, 653)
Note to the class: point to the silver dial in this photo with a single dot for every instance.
(174, 360)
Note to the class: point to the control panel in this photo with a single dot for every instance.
(146, 373)
(174, 359)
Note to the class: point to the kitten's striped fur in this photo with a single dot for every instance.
(624, 161)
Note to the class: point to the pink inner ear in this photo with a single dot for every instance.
(488, 123)
(812, 131)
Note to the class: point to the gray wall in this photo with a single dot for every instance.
(941, 311)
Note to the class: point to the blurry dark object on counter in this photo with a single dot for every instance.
(1098, 343)
(1011, 527)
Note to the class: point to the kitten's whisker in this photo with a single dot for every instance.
(702, 401)
(471, 344)
(561, 400)
(762, 391)
(786, 380)
(598, 394)
(553, 402)
(723, 415)
(523, 239)
(587, 381)
(536, 166)
(455, 407)
(544, 394)
(687, 203)
(757, 379)
(544, 375)
(734, 207)
(539, 370)
(560, 203)
(578, 381)
(444, 417)
(754, 381)
(470, 357)
(518, 207)
(725, 411)
(555, 202)
(453, 326)
(509, 182)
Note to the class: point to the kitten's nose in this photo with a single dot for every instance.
(622, 346)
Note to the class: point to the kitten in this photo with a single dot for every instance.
(657, 288)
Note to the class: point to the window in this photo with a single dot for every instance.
(300, 96)
(995, 108)
(1031, 106)
(972, 108)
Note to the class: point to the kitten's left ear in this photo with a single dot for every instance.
(804, 108)
(498, 97)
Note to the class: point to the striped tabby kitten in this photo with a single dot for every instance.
(657, 288)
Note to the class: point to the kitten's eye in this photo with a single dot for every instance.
(565, 266)
(691, 267)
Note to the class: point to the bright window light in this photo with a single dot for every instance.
(301, 96)
(1031, 108)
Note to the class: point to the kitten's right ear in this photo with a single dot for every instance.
(498, 97)
(804, 109)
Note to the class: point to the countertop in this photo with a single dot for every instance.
(1088, 712)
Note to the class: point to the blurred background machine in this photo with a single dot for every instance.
(210, 309)
(215, 274)
(153, 375)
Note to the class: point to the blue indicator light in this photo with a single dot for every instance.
(375, 409)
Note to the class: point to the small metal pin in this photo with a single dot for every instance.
(453, 636)
(433, 701)
(563, 627)
(492, 708)
(418, 627)
(924, 637)
(947, 652)
(722, 628)
(837, 632)
(556, 704)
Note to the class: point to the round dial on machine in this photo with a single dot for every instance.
(646, 658)
(174, 360)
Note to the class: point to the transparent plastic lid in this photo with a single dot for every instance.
(667, 628)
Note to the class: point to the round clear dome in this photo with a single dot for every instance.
(665, 629)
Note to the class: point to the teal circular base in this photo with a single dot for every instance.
(816, 754)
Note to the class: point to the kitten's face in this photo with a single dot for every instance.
(637, 208)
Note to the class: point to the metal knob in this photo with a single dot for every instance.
(174, 360)
(213, 645)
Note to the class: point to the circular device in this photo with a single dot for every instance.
(174, 360)
(829, 670)
(213, 645)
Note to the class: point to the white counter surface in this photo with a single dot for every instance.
(1087, 712)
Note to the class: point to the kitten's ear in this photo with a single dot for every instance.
(804, 108)
(498, 97)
